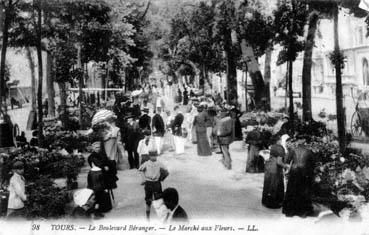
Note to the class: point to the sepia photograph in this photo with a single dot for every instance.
(184, 117)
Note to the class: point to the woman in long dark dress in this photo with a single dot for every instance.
(96, 180)
(273, 191)
(236, 114)
(200, 123)
(297, 200)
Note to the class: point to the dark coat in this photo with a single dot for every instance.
(177, 124)
(144, 122)
(180, 215)
(158, 124)
(80, 213)
(297, 200)
(135, 110)
(132, 137)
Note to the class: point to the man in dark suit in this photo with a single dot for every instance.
(177, 213)
(158, 128)
(132, 137)
(225, 134)
(176, 126)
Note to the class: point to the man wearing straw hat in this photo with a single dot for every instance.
(225, 133)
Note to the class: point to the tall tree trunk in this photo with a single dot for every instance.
(202, 78)
(4, 47)
(290, 93)
(31, 63)
(339, 94)
(306, 69)
(80, 82)
(106, 80)
(40, 75)
(231, 71)
(255, 74)
(267, 76)
(63, 100)
(50, 85)
(286, 88)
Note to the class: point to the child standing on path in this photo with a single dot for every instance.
(17, 191)
(152, 172)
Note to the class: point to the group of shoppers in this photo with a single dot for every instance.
(297, 166)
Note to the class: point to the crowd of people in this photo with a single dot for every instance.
(140, 126)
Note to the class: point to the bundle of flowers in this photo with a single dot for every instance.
(340, 180)
(260, 118)
(68, 140)
(45, 200)
(261, 136)
(40, 162)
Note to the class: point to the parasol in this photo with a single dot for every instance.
(101, 116)
(136, 93)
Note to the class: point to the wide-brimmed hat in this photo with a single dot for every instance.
(102, 116)
(145, 110)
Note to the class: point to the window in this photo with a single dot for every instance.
(365, 72)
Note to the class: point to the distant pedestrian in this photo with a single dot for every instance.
(236, 114)
(159, 103)
(34, 139)
(179, 96)
(171, 200)
(201, 122)
(133, 136)
(152, 172)
(176, 126)
(185, 96)
(145, 120)
(158, 128)
(22, 140)
(225, 133)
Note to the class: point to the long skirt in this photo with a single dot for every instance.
(209, 133)
(193, 135)
(297, 200)
(179, 143)
(273, 190)
(203, 147)
(255, 163)
(158, 143)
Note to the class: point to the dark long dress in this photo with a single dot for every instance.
(273, 191)
(297, 200)
(96, 182)
(200, 123)
(238, 128)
